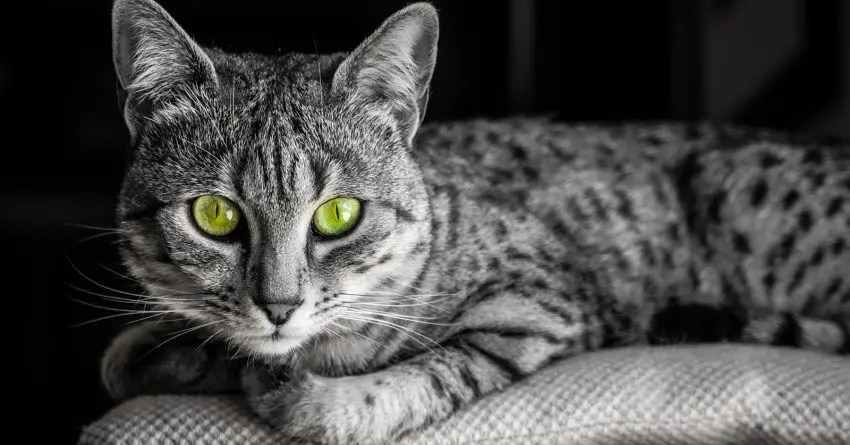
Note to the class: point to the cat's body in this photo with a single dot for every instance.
(485, 251)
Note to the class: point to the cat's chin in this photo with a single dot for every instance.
(272, 345)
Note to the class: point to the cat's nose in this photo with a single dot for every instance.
(278, 313)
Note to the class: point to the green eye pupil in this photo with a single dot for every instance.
(337, 216)
(215, 215)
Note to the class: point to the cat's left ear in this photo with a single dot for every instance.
(394, 65)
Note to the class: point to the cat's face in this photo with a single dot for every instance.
(273, 199)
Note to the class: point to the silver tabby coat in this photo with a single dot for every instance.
(485, 249)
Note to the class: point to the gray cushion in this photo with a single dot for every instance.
(717, 394)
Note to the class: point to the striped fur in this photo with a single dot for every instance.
(487, 249)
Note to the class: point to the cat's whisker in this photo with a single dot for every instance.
(102, 286)
(90, 227)
(352, 331)
(156, 286)
(393, 303)
(97, 235)
(139, 298)
(366, 318)
(204, 343)
(390, 315)
(180, 334)
(400, 300)
(112, 316)
(106, 308)
(354, 304)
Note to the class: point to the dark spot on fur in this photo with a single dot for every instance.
(696, 323)
(653, 140)
(647, 253)
(539, 283)
(694, 277)
(818, 256)
(769, 160)
(838, 246)
(493, 264)
(813, 156)
(817, 179)
(715, 204)
(596, 203)
(518, 152)
(667, 259)
(790, 199)
(769, 280)
(834, 206)
(834, 287)
(789, 332)
(369, 400)
(805, 220)
(624, 205)
(759, 193)
(531, 173)
(796, 279)
(741, 243)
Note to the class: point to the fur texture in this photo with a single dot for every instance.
(486, 250)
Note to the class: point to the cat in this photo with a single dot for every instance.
(360, 275)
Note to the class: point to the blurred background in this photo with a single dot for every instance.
(777, 63)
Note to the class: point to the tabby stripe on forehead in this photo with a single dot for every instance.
(277, 154)
(293, 169)
(319, 170)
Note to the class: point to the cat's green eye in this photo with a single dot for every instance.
(216, 215)
(337, 216)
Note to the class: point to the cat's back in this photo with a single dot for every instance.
(512, 155)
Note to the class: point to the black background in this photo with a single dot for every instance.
(64, 145)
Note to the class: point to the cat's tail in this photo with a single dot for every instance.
(699, 323)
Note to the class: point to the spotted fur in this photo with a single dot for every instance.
(487, 249)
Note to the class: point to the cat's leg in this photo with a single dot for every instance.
(153, 358)
(481, 358)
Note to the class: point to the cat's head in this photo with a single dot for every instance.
(271, 198)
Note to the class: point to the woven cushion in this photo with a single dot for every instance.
(718, 394)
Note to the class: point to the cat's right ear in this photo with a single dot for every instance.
(155, 60)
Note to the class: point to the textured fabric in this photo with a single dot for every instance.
(719, 394)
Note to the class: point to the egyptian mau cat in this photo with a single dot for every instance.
(382, 275)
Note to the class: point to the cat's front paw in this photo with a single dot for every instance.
(142, 360)
(317, 410)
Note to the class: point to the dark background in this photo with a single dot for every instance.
(778, 63)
